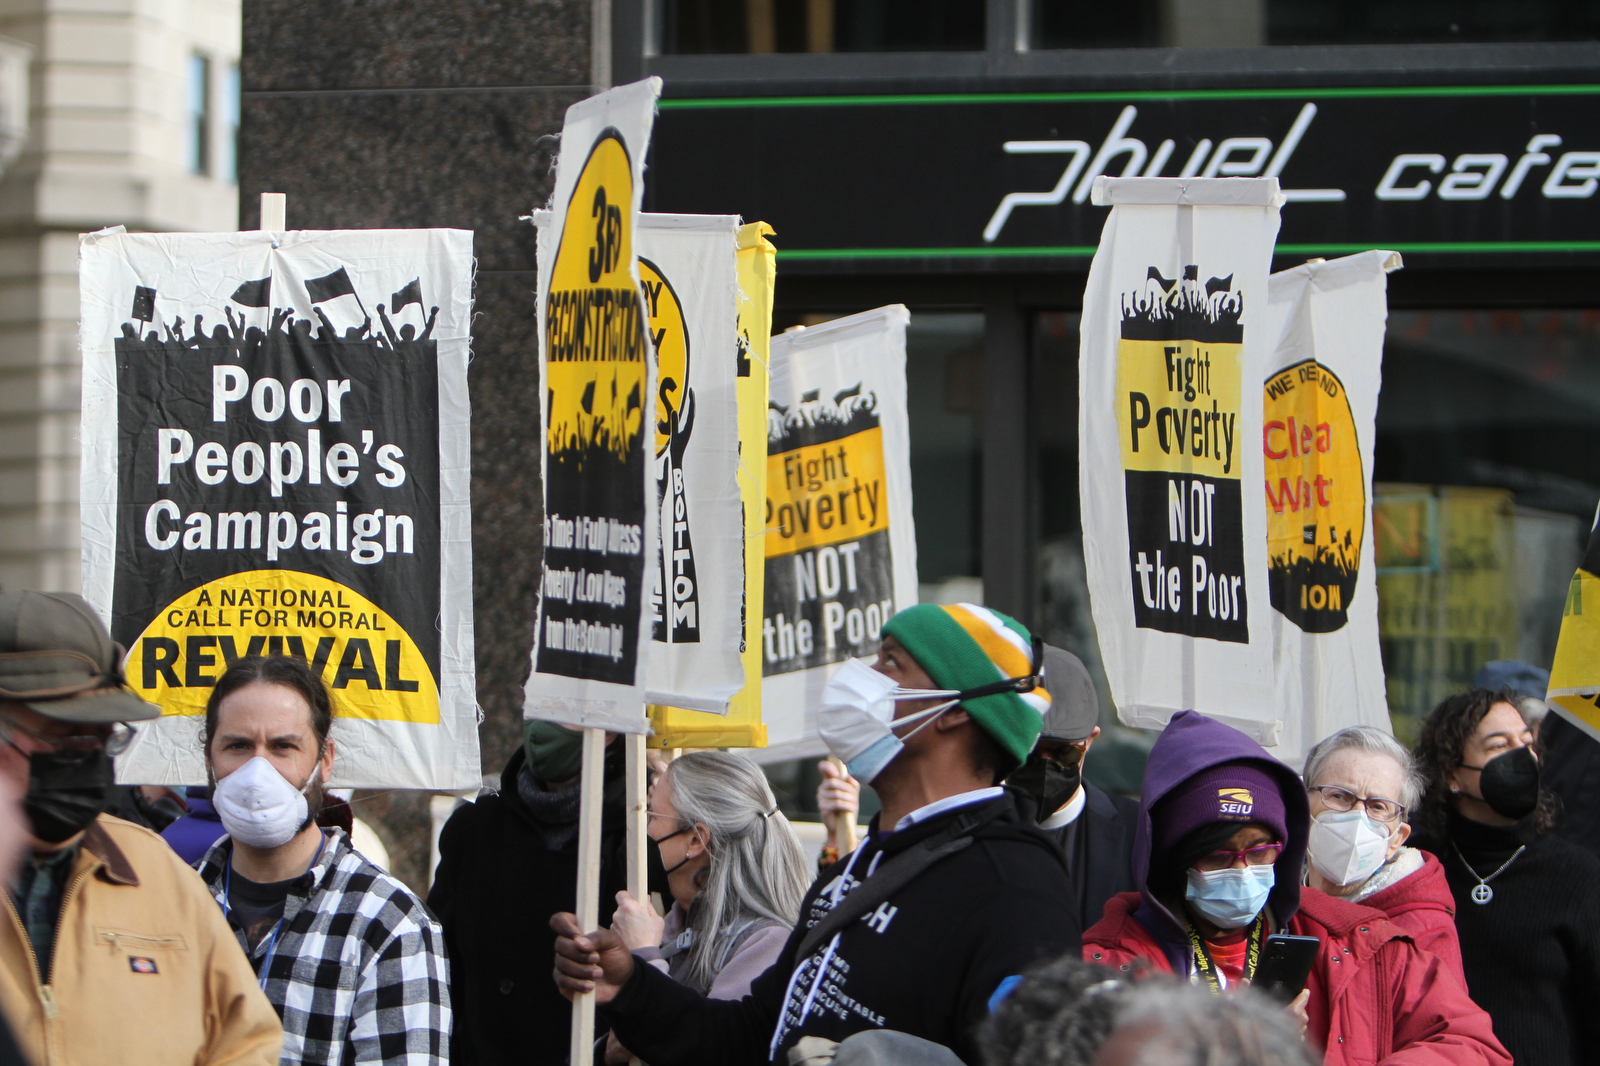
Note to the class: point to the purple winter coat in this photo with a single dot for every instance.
(192, 835)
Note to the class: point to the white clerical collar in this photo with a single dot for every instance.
(949, 803)
(1068, 814)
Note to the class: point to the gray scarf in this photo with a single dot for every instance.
(556, 813)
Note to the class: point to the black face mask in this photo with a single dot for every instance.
(655, 862)
(1048, 782)
(66, 791)
(1510, 783)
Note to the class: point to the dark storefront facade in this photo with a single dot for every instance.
(957, 184)
(934, 153)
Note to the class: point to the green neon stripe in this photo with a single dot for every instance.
(933, 253)
(1353, 93)
(1085, 250)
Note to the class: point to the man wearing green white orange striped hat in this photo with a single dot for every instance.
(951, 895)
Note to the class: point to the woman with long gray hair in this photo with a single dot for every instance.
(736, 871)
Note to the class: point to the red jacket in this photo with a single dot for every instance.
(1422, 906)
(1375, 996)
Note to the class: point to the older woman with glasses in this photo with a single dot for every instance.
(1362, 783)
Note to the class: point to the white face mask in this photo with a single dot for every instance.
(857, 719)
(258, 807)
(1346, 846)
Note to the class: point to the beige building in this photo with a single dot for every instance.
(132, 121)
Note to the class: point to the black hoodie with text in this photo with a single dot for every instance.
(925, 962)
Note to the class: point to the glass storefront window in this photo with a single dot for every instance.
(1234, 23)
(1487, 474)
(700, 27)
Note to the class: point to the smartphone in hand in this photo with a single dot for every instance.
(1285, 964)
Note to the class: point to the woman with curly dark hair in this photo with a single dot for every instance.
(1526, 904)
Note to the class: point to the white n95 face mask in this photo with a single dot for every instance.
(1346, 846)
(258, 807)
(857, 718)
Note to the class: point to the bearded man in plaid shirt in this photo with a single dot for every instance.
(353, 962)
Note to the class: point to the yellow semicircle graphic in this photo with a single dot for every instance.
(371, 665)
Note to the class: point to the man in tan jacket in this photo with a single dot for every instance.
(111, 950)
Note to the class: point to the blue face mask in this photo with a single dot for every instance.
(1230, 898)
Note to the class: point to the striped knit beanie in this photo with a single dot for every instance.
(962, 646)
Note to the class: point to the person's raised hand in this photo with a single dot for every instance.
(839, 795)
(637, 923)
(597, 962)
(1297, 1009)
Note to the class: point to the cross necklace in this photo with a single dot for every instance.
(1482, 893)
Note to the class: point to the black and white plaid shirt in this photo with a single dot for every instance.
(358, 972)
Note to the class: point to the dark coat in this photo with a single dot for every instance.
(1570, 767)
(1100, 859)
(494, 892)
(926, 961)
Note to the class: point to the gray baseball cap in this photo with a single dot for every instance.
(1074, 707)
(56, 658)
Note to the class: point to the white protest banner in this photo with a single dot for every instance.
(266, 470)
(1172, 351)
(593, 628)
(689, 269)
(1325, 322)
(841, 546)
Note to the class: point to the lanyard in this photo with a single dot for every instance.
(277, 927)
(1208, 969)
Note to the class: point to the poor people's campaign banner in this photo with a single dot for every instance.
(597, 407)
(1326, 322)
(1172, 356)
(275, 462)
(840, 543)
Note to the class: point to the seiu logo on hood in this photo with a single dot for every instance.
(1235, 802)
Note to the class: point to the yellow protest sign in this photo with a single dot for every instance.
(741, 727)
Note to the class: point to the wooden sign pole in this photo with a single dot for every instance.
(273, 210)
(638, 817)
(588, 908)
(638, 820)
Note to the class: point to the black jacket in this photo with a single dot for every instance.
(1532, 953)
(494, 892)
(1099, 850)
(924, 962)
(1570, 767)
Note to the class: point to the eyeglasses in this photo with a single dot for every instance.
(1069, 753)
(1260, 855)
(114, 743)
(1342, 799)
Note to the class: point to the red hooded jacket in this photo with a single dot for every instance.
(1394, 1003)
(1421, 905)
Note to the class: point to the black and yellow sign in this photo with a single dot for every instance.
(675, 598)
(596, 382)
(829, 579)
(279, 493)
(1179, 390)
(1316, 496)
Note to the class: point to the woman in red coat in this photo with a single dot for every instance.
(1362, 783)
(1219, 852)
